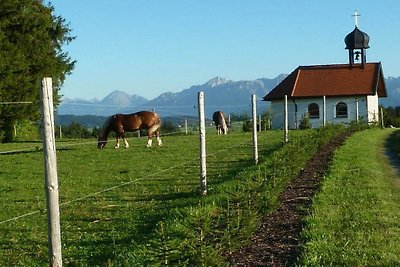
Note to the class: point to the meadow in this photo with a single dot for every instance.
(110, 199)
(141, 206)
(355, 218)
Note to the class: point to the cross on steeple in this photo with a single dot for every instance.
(356, 15)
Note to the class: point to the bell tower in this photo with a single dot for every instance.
(357, 42)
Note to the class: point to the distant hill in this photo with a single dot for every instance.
(115, 102)
(89, 121)
(393, 88)
(220, 94)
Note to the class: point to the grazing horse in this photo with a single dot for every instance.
(220, 122)
(121, 123)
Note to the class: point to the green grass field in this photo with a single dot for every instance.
(110, 199)
(356, 217)
(141, 206)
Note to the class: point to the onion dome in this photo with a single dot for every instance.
(357, 40)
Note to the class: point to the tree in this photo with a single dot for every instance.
(75, 130)
(31, 40)
(391, 116)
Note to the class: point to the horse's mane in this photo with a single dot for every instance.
(106, 124)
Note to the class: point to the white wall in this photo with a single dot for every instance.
(373, 108)
(367, 110)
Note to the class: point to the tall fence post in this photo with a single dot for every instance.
(202, 133)
(382, 122)
(254, 111)
(324, 111)
(50, 164)
(286, 130)
(186, 127)
(357, 110)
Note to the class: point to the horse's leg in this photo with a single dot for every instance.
(122, 135)
(126, 142)
(149, 141)
(159, 142)
(117, 144)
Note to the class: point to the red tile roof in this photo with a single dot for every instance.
(331, 80)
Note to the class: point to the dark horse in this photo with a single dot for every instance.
(220, 122)
(121, 123)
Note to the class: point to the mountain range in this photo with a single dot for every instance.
(220, 94)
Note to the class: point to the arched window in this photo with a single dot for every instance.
(313, 111)
(341, 110)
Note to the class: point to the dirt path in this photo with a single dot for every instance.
(276, 242)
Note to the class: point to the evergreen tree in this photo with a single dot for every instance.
(31, 40)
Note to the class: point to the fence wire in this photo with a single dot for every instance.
(114, 187)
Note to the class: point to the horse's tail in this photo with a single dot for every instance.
(156, 125)
(223, 123)
(158, 119)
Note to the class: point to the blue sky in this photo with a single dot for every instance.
(148, 47)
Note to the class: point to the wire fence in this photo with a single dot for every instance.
(64, 145)
(188, 162)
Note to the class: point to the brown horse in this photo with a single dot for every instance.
(220, 122)
(121, 123)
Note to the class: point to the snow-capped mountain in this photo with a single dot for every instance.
(220, 94)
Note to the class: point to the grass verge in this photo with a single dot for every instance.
(355, 217)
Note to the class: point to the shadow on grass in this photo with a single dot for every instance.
(392, 150)
(29, 151)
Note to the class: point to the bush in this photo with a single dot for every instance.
(305, 123)
(27, 131)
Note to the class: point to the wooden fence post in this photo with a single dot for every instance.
(286, 121)
(382, 122)
(254, 111)
(50, 164)
(357, 110)
(324, 111)
(202, 134)
(186, 127)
